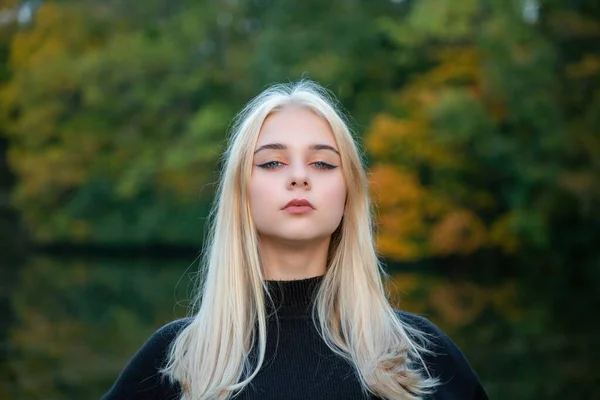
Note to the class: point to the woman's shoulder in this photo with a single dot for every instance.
(158, 343)
(437, 338)
(422, 324)
(141, 377)
(169, 331)
(445, 361)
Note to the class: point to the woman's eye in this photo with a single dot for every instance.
(271, 164)
(324, 165)
(277, 164)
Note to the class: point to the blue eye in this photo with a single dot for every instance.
(324, 165)
(270, 165)
(277, 164)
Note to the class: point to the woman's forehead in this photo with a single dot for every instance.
(295, 127)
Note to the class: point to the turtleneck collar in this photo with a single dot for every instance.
(293, 298)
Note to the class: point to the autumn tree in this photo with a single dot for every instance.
(117, 115)
(477, 146)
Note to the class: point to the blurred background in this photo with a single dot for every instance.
(480, 120)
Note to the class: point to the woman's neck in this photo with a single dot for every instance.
(291, 299)
(292, 261)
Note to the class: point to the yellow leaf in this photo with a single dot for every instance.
(459, 232)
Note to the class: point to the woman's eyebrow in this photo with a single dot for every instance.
(281, 146)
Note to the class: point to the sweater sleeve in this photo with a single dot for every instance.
(448, 364)
(141, 379)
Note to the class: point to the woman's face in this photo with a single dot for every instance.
(296, 158)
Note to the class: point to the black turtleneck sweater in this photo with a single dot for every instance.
(298, 364)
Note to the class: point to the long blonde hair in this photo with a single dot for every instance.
(210, 356)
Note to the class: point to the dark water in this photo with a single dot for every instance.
(71, 325)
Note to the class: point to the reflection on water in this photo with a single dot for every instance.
(77, 323)
(80, 321)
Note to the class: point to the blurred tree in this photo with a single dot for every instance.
(13, 239)
(482, 127)
(116, 114)
(495, 145)
(78, 323)
(113, 128)
(484, 134)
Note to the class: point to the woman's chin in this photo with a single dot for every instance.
(299, 238)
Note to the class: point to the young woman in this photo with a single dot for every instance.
(292, 304)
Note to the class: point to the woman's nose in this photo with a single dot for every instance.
(298, 176)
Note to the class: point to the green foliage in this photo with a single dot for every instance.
(76, 326)
(480, 122)
(492, 147)
(93, 114)
(117, 116)
(486, 127)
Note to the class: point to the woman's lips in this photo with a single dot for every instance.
(298, 206)
(298, 209)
